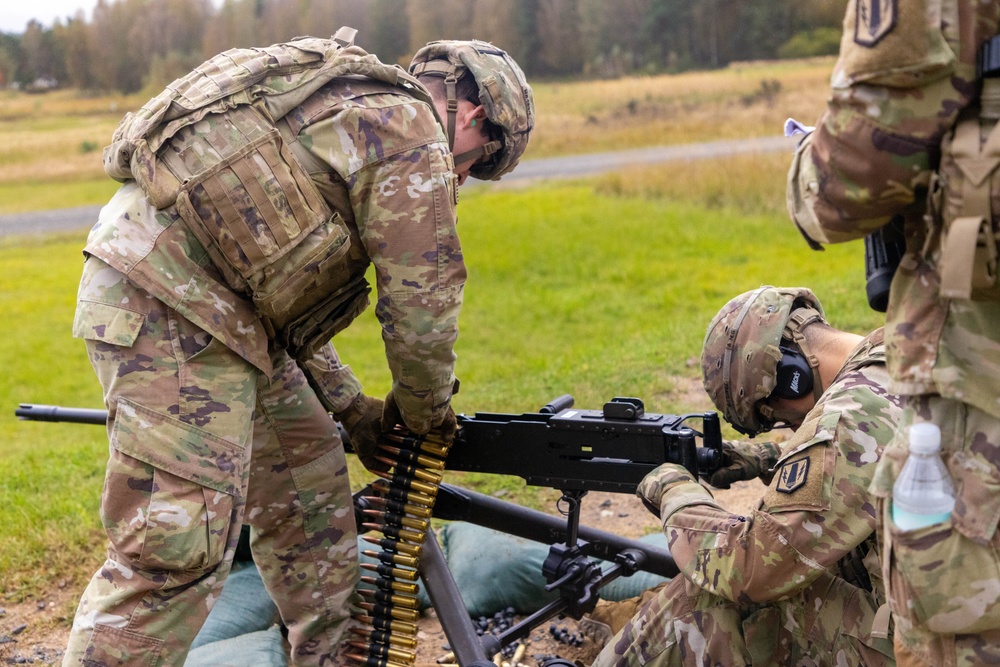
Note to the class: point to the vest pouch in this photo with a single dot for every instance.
(303, 336)
(969, 180)
(313, 270)
(243, 194)
(946, 576)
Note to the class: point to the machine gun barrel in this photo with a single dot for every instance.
(55, 413)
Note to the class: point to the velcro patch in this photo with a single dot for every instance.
(873, 20)
(793, 475)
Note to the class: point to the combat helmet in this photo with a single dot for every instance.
(747, 341)
(503, 91)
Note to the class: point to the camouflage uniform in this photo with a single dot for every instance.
(902, 136)
(211, 422)
(766, 589)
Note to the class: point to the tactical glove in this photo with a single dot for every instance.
(391, 416)
(744, 461)
(363, 422)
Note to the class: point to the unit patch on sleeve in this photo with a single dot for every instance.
(793, 475)
(873, 20)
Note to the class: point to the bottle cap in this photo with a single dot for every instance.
(925, 438)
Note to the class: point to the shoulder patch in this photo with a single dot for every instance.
(873, 20)
(793, 475)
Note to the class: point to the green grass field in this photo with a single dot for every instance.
(596, 288)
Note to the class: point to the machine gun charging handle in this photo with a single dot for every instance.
(710, 456)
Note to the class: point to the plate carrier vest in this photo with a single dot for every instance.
(210, 144)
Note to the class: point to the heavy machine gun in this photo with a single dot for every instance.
(572, 450)
(559, 446)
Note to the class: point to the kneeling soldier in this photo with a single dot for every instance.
(797, 580)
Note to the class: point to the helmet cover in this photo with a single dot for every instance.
(503, 91)
(740, 356)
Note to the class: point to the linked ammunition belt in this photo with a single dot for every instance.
(403, 509)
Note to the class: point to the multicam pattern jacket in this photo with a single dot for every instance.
(903, 78)
(380, 158)
(816, 510)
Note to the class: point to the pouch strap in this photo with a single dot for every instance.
(958, 256)
(880, 624)
(969, 250)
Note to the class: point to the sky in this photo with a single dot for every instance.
(15, 14)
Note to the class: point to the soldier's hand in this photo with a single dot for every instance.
(743, 461)
(448, 427)
(363, 422)
(391, 416)
(654, 485)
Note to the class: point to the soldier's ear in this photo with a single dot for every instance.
(475, 116)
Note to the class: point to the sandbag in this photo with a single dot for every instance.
(494, 570)
(243, 607)
(263, 648)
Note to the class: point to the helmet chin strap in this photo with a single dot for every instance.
(797, 322)
(478, 153)
(780, 418)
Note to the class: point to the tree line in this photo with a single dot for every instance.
(129, 45)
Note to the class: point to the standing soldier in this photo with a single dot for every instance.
(911, 131)
(797, 580)
(256, 192)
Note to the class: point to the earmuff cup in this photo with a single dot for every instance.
(794, 375)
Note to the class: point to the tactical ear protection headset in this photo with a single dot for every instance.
(794, 375)
(798, 369)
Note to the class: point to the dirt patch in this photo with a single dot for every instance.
(35, 632)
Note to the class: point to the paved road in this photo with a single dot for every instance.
(530, 170)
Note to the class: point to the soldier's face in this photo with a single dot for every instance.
(793, 411)
(469, 135)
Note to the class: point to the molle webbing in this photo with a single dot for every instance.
(210, 144)
(275, 79)
(969, 248)
(245, 194)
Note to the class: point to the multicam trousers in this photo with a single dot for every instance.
(201, 442)
(827, 624)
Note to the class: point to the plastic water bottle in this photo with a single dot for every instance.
(923, 493)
